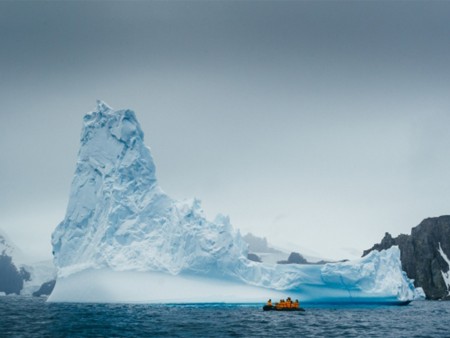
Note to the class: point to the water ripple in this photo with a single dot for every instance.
(33, 317)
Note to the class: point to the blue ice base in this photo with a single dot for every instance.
(107, 286)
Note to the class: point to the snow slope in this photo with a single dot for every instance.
(119, 223)
(8, 248)
(445, 275)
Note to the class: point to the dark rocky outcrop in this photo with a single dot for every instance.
(45, 289)
(254, 257)
(420, 256)
(19, 278)
(26, 276)
(11, 279)
(294, 258)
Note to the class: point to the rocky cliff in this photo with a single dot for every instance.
(11, 277)
(20, 275)
(425, 255)
(294, 258)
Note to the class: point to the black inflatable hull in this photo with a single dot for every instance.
(273, 308)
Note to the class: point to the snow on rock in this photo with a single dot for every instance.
(120, 222)
(19, 273)
(8, 248)
(445, 275)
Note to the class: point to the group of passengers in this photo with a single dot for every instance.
(285, 304)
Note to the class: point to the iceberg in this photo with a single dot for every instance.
(124, 240)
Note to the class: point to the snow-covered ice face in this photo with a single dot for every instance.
(117, 208)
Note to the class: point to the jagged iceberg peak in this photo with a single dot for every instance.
(118, 216)
(102, 106)
(121, 124)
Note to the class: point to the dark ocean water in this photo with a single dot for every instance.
(33, 317)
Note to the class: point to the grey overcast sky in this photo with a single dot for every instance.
(320, 125)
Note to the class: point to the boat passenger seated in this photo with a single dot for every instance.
(281, 304)
(289, 302)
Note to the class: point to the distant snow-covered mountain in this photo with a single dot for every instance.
(19, 274)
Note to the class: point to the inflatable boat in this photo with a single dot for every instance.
(274, 308)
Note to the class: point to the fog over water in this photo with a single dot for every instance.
(320, 125)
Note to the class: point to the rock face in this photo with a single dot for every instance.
(12, 276)
(16, 277)
(254, 257)
(425, 255)
(294, 258)
(45, 289)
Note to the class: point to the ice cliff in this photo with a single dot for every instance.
(124, 239)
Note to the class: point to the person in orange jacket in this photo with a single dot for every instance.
(289, 302)
(281, 304)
